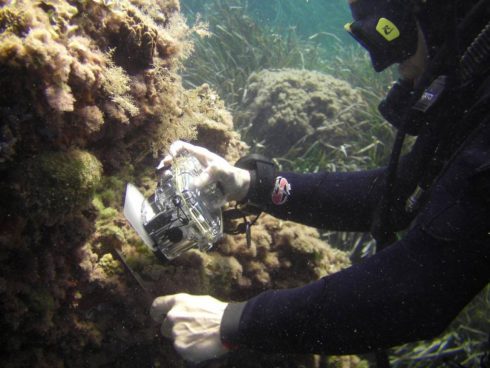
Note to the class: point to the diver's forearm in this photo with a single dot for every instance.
(409, 291)
(334, 201)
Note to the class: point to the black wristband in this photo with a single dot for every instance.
(262, 175)
(230, 324)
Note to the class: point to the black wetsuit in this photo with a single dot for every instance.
(409, 291)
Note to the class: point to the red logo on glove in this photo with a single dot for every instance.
(281, 192)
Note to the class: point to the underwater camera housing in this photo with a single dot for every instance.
(178, 216)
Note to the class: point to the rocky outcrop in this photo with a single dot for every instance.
(90, 99)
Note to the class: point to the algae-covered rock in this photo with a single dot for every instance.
(57, 183)
(91, 71)
(87, 84)
(215, 129)
(348, 361)
(42, 306)
(289, 109)
(109, 264)
(282, 254)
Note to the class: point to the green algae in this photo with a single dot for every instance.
(111, 190)
(110, 265)
(108, 213)
(112, 230)
(111, 233)
(59, 183)
(221, 273)
(12, 22)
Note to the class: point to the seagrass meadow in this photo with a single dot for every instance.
(93, 92)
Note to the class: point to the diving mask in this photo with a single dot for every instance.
(178, 216)
(386, 29)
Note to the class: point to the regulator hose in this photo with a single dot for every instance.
(475, 59)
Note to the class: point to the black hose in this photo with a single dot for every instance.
(475, 59)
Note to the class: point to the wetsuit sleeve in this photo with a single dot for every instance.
(343, 201)
(407, 292)
(336, 201)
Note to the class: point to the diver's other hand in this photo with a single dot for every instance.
(233, 180)
(193, 322)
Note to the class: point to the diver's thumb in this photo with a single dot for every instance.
(203, 180)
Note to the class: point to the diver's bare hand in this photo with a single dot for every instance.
(193, 323)
(233, 180)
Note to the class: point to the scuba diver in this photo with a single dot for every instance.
(438, 194)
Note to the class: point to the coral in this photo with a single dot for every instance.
(307, 105)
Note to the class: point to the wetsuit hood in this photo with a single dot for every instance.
(386, 28)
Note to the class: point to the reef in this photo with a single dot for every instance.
(92, 72)
(90, 99)
(308, 105)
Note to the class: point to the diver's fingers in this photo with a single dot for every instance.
(201, 153)
(203, 179)
(161, 306)
(167, 161)
(166, 328)
(217, 171)
(175, 148)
